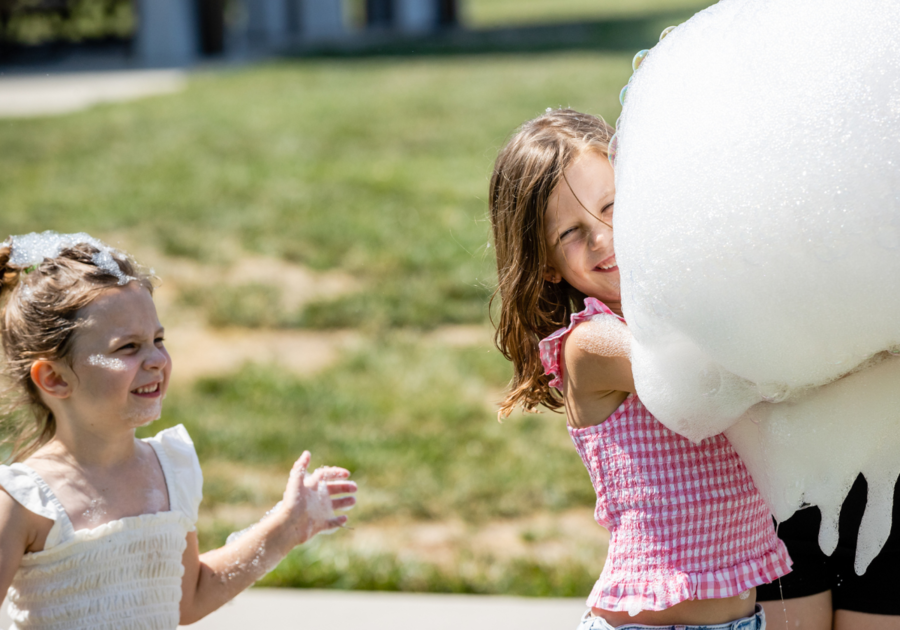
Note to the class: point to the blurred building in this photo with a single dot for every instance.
(182, 32)
(177, 32)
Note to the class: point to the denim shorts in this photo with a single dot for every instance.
(753, 622)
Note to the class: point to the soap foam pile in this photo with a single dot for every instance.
(31, 249)
(758, 233)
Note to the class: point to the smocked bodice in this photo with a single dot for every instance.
(122, 575)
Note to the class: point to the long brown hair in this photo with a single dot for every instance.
(38, 319)
(526, 172)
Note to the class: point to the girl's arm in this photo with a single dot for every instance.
(217, 576)
(17, 533)
(596, 370)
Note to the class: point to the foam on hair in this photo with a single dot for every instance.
(758, 234)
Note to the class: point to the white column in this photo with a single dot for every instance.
(416, 16)
(167, 33)
(321, 19)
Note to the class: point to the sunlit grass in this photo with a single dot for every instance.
(491, 13)
(375, 167)
(324, 564)
(414, 422)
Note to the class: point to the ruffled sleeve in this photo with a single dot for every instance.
(184, 478)
(551, 347)
(29, 490)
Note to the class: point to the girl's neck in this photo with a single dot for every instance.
(91, 449)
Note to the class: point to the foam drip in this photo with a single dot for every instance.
(758, 233)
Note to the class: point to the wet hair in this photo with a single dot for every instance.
(39, 307)
(527, 171)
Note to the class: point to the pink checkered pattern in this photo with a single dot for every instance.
(685, 520)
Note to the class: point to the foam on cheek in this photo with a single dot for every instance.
(108, 363)
(758, 237)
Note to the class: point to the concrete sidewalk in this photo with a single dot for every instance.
(283, 609)
(26, 96)
(289, 609)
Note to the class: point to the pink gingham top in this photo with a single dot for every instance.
(685, 520)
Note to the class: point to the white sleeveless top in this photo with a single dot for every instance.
(123, 575)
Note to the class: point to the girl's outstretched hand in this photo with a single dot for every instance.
(310, 499)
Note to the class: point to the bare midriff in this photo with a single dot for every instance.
(695, 612)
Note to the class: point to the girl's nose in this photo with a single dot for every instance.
(157, 360)
(599, 234)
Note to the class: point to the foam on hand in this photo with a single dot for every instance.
(758, 233)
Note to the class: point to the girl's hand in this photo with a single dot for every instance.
(308, 499)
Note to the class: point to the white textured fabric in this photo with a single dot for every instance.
(123, 575)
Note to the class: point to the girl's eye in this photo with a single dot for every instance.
(159, 340)
(128, 346)
(566, 233)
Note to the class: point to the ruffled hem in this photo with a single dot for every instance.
(550, 346)
(664, 590)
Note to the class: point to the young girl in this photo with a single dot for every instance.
(690, 536)
(97, 528)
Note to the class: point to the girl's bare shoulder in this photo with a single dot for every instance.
(596, 355)
(603, 335)
(21, 530)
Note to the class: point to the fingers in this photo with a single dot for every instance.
(337, 521)
(301, 464)
(346, 487)
(344, 503)
(325, 473)
(329, 473)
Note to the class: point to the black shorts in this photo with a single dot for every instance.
(875, 592)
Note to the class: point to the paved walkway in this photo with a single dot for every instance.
(54, 94)
(289, 609)
(283, 609)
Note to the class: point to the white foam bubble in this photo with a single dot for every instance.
(758, 234)
(31, 249)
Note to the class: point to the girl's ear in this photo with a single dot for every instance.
(51, 378)
(552, 275)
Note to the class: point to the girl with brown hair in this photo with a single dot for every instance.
(690, 536)
(97, 528)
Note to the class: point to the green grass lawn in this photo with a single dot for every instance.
(490, 13)
(414, 424)
(377, 168)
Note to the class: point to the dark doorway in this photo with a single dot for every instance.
(448, 13)
(379, 13)
(211, 18)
